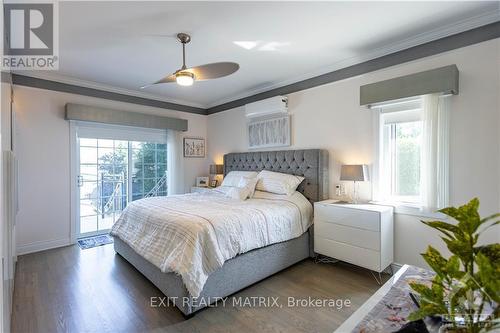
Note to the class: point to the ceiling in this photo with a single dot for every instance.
(121, 46)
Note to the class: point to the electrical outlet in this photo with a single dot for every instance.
(338, 190)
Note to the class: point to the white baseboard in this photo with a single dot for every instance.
(43, 245)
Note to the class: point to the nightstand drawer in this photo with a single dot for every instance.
(358, 237)
(352, 254)
(362, 219)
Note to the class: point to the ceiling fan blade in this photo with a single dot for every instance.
(166, 79)
(204, 72)
(213, 70)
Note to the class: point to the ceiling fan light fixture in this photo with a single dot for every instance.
(184, 78)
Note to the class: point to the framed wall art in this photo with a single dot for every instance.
(271, 132)
(194, 147)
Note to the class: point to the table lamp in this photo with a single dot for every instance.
(354, 173)
(216, 170)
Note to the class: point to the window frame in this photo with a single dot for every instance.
(382, 192)
(400, 207)
(441, 123)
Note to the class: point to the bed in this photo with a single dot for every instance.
(249, 267)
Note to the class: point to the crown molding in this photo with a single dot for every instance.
(423, 38)
(52, 76)
(29, 81)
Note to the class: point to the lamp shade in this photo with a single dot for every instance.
(216, 169)
(354, 172)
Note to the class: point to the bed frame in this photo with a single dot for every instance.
(253, 266)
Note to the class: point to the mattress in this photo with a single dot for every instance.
(194, 234)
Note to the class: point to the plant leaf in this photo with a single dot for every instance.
(487, 277)
(421, 289)
(491, 251)
(459, 248)
(435, 260)
(467, 215)
(489, 226)
(443, 227)
(453, 266)
(491, 217)
(419, 314)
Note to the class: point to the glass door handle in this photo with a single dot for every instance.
(79, 181)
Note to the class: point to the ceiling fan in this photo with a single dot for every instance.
(186, 76)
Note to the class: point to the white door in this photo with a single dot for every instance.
(114, 167)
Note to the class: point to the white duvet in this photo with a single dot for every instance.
(194, 234)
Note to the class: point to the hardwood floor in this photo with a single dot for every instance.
(96, 290)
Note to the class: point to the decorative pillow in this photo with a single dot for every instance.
(237, 193)
(277, 182)
(248, 184)
(244, 190)
(233, 178)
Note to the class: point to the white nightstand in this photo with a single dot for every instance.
(198, 189)
(361, 234)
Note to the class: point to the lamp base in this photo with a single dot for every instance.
(355, 199)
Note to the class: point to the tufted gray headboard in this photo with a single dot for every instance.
(312, 164)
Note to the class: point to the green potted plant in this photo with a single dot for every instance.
(465, 291)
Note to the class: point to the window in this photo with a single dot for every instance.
(402, 142)
(412, 152)
(149, 167)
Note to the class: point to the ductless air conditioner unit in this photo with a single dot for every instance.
(268, 106)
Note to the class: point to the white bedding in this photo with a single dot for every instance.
(194, 234)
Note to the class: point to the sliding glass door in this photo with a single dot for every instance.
(113, 171)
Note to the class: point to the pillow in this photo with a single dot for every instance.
(244, 190)
(237, 193)
(279, 183)
(233, 177)
(248, 184)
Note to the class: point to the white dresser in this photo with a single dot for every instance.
(361, 234)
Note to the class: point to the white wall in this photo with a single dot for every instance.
(43, 150)
(330, 117)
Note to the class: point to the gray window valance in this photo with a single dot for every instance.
(439, 80)
(117, 117)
